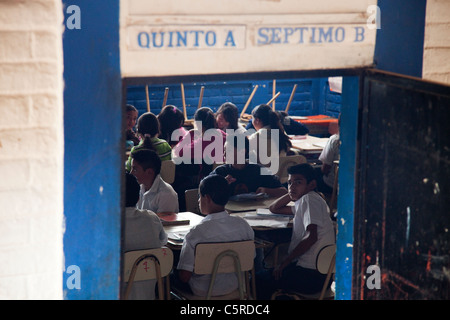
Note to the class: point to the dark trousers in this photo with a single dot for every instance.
(321, 185)
(294, 278)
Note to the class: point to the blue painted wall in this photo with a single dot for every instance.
(399, 42)
(93, 150)
(312, 96)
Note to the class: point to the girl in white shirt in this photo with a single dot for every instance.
(269, 133)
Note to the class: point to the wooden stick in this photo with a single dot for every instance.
(184, 102)
(148, 98)
(274, 85)
(273, 98)
(166, 93)
(249, 99)
(202, 89)
(290, 99)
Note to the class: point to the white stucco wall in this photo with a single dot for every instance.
(436, 57)
(31, 149)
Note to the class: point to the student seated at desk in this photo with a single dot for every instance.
(326, 174)
(143, 230)
(170, 119)
(196, 152)
(312, 230)
(268, 127)
(148, 130)
(291, 127)
(131, 137)
(217, 226)
(194, 145)
(244, 177)
(155, 194)
(227, 117)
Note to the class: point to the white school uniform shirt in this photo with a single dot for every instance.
(240, 130)
(263, 145)
(161, 197)
(143, 230)
(328, 155)
(216, 227)
(311, 209)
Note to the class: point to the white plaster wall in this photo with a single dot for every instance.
(31, 149)
(436, 56)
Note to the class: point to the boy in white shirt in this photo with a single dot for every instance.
(142, 230)
(217, 226)
(325, 178)
(312, 230)
(155, 194)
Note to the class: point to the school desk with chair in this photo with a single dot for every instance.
(258, 219)
(178, 228)
(309, 146)
(256, 212)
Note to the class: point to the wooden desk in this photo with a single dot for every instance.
(250, 205)
(248, 208)
(254, 222)
(318, 124)
(194, 219)
(308, 144)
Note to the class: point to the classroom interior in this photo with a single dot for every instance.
(334, 104)
(314, 101)
(64, 83)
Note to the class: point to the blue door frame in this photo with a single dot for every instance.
(346, 180)
(93, 152)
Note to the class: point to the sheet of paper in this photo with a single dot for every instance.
(256, 221)
(321, 144)
(263, 212)
(177, 236)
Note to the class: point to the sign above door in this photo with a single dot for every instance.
(171, 38)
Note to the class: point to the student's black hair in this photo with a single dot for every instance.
(132, 189)
(170, 118)
(231, 114)
(305, 169)
(130, 107)
(148, 127)
(206, 116)
(147, 159)
(216, 187)
(270, 118)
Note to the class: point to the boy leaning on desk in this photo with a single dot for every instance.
(312, 230)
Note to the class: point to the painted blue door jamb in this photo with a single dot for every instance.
(93, 167)
(346, 196)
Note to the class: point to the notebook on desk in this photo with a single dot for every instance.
(262, 212)
(176, 237)
(249, 196)
(172, 219)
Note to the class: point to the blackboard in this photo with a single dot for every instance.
(402, 215)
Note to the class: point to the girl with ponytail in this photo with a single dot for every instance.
(148, 131)
(265, 120)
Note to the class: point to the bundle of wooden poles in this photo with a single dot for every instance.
(244, 117)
